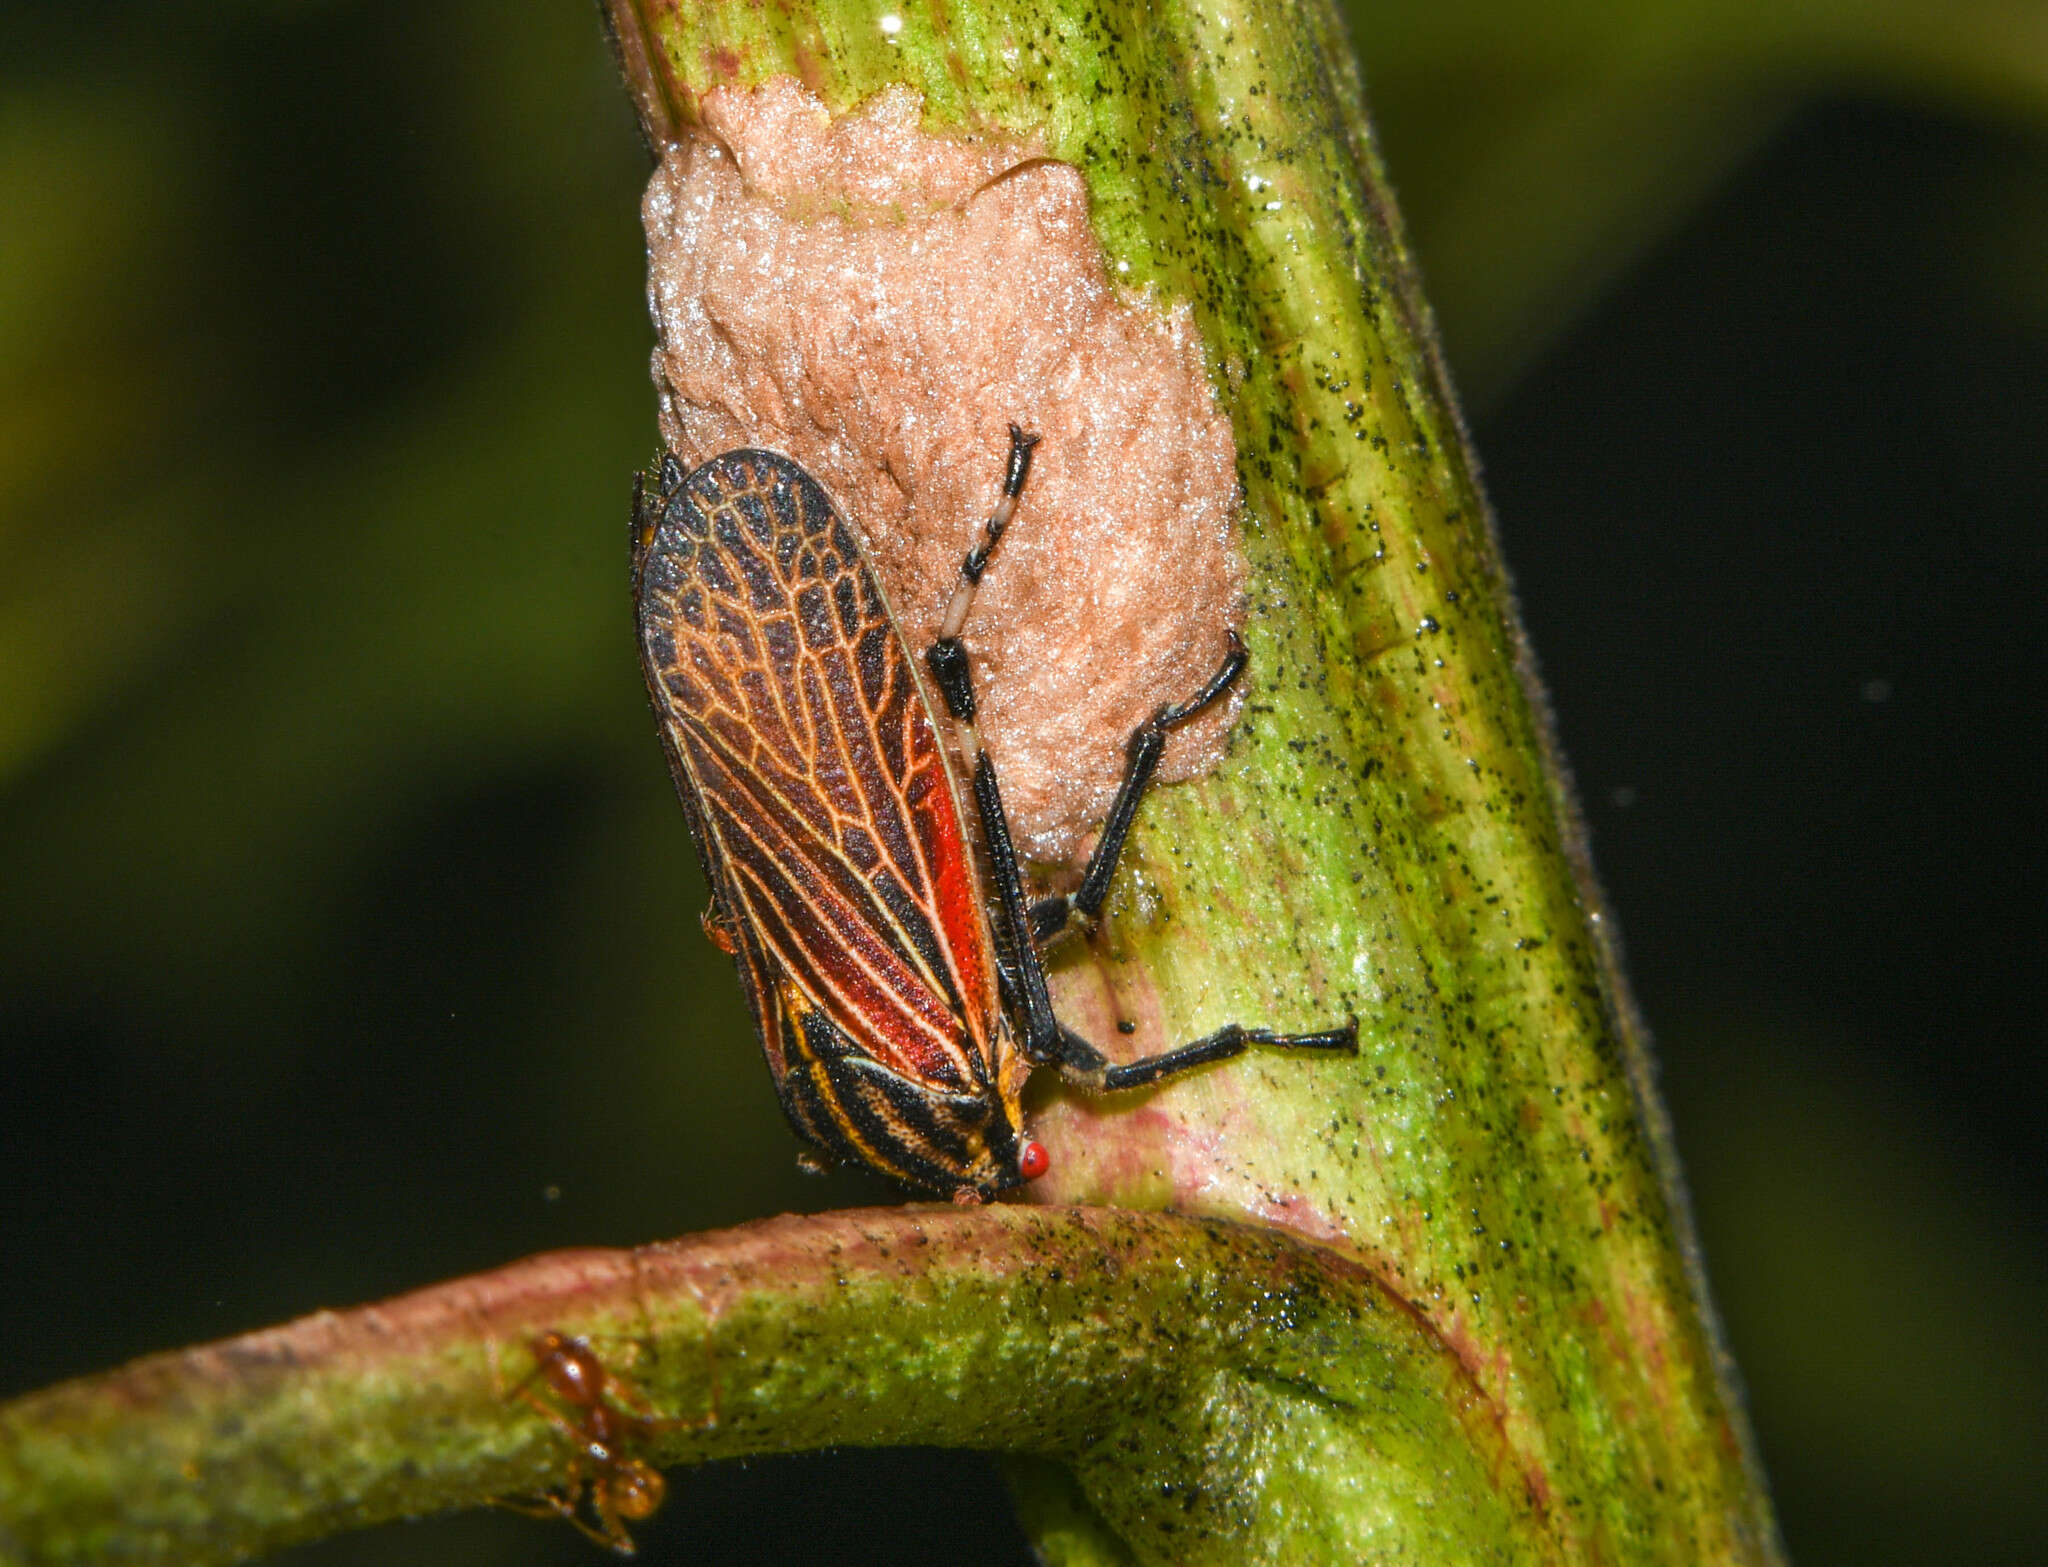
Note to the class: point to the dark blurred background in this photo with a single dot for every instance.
(347, 923)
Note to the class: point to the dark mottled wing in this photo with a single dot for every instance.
(805, 748)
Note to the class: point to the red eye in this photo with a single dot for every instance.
(1034, 1161)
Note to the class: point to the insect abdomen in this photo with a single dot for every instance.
(844, 1101)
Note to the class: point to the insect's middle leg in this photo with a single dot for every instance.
(1051, 916)
(947, 657)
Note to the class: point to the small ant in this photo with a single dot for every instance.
(607, 1417)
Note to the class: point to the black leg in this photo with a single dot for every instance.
(1051, 916)
(1019, 974)
(1041, 1029)
(1045, 1039)
(948, 659)
(1018, 470)
(1082, 1063)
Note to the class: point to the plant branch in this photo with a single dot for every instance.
(1395, 834)
(1487, 1339)
(1148, 1353)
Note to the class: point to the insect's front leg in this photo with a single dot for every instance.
(948, 655)
(1020, 975)
(1014, 475)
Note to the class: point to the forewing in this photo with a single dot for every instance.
(793, 714)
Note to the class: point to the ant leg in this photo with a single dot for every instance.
(1050, 917)
(577, 1489)
(549, 1413)
(517, 1389)
(552, 1504)
(612, 1536)
(566, 1501)
(1086, 1067)
(634, 1406)
(550, 1508)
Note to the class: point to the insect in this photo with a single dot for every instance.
(607, 1417)
(901, 1008)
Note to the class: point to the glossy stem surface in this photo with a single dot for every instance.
(1486, 1337)
(1393, 835)
(1153, 1355)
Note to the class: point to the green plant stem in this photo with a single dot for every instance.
(1393, 835)
(1499, 1347)
(1154, 1355)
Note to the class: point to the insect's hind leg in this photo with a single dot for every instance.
(1082, 1064)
